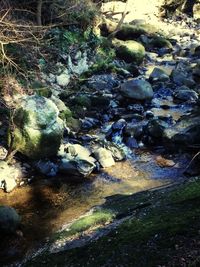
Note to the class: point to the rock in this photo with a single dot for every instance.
(131, 142)
(196, 70)
(116, 151)
(64, 112)
(81, 65)
(82, 100)
(163, 162)
(63, 79)
(184, 94)
(3, 152)
(196, 11)
(133, 130)
(77, 166)
(197, 51)
(184, 133)
(73, 124)
(38, 128)
(119, 125)
(158, 75)
(76, 160)
(74, 150)
(149, 114)
(160, 42)
(136, 108)
(155, 128)
(130, 51)
(8, 176)
(89, 123)
(129, 31)
(104, 157)
(47, 168)
(137, 89)
(103, 82)
(182, 75)
(9, 220)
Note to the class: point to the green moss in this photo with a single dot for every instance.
(82, 100)
(83, 224)
(65, 114)
(160, 41)
(189, 191)
(130, 51)
(131, 32)
(73, 124)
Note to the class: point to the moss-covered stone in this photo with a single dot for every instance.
(37, 129)
(131, 32)
(129, 51)
(82, 100)
(160, 42)
(128, 31)
(73, 124)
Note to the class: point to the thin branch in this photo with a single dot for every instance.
(112, 35)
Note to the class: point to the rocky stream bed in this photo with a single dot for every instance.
(109, 157)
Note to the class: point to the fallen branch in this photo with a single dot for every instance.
(112, 35)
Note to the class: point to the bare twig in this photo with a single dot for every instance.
(196, 155)
(112, 35)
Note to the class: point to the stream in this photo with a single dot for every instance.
(47, 203)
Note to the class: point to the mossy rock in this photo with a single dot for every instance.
(127, 31)
(160, 42)
(82, 100)
(38, 129)
(65, 114)
(132, 32)
(129, 51)
(73, 124)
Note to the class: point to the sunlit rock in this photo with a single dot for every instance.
(38, 129)
(104, 157)
(130, 51)
(75, 160)
(63, 79)
(196, 11)
(8, 176)
(158, 74)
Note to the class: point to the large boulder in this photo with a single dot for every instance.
(38, 129)
(130, 51)
(9, 220)
(137, 89)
